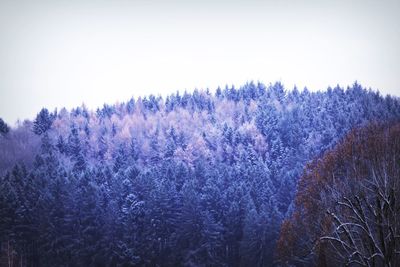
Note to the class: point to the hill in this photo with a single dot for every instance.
(195, 179)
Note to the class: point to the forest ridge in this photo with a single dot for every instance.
(195, 179)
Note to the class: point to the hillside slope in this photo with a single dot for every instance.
(195, 179)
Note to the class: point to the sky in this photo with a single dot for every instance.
(68, 52)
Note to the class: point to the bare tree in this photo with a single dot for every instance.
(365, 227)
(347, 207)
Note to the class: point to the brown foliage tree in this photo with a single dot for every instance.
(347, 208)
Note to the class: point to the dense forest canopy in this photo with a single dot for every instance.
(195, 179)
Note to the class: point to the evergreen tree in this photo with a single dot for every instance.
(43, 122)
(4, 129)
(75, 151)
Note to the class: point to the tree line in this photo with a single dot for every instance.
(198, 179)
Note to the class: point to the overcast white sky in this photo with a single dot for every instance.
(64, 53)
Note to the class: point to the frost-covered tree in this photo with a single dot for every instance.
(347, 206)
(193, 179)
(43, 122)
(4, 128)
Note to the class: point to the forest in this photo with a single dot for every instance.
(257, 175)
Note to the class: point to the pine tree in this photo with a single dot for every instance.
(61, 145)
(121, 159)
(4, 129)
(43, 122)
(75, 151)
